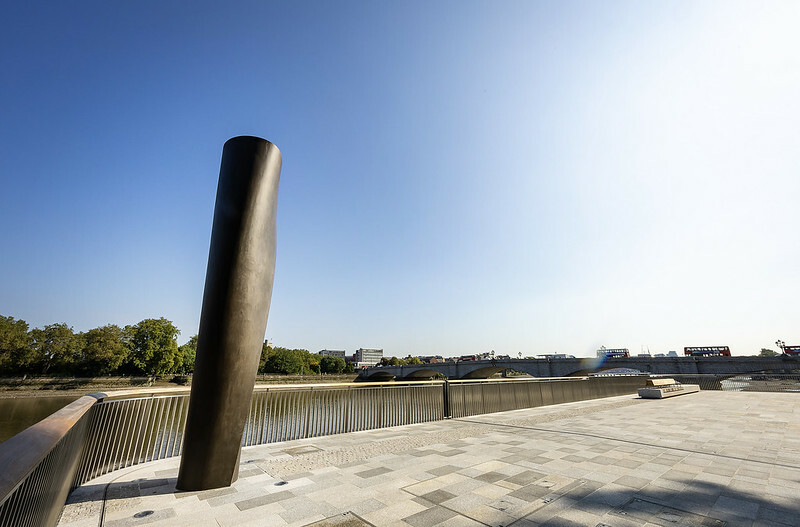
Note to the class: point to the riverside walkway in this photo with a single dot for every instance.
(705, 459)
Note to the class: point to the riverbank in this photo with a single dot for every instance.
(77, 386)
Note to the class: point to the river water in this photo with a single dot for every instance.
(18, 413)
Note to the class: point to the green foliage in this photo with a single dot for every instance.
(149, 347)
(266, 351)
(187, 353)
(767, 353)
(15, 345)
(332, 365)
(314, 365)
(56, 349)
(154, 347)
(413, 360)
(287, 361)
(104, 350)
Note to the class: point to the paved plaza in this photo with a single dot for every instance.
(705, 459)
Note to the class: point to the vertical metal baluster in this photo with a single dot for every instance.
(359, 408)
(156, 434)
(134, 418)
(156, 429)
(272, 433)
(258, 420)
(103, 439)
(112, 436)
(287, 415)
(90, 449)
(171, 427)
(104, 415)
(340, 420)
(180, 415)
(291, 413)
(247, 433)
(144, 425)
(124, 435)
(313, 409)
(182, 424)
(333, 425)
(119, 439)
(162, 427)
(298, 414)
(277, 418)
(327, 425)
(281, 415)
(265, 400)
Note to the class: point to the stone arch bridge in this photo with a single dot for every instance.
(556, 367)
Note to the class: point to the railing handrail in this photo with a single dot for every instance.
(22, 453)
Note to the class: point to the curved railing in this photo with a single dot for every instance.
(103, 432)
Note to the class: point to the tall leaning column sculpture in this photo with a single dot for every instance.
(238, 289)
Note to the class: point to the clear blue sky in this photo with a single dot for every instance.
(534, 177)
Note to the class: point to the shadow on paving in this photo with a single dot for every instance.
(699, 505)
(585, 504)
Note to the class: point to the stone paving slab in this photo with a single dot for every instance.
(709, 459)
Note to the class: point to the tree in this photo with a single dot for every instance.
(413, 360)
(283, 360)
(314, 364)
(15, 345)
(56, 348)
(188, 353)
(332, 365)
(266, 352)
(104, 350)
(767, 353)
(154, 347)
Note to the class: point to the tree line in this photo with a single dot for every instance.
(148, 348)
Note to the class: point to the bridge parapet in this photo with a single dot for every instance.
(563, 367)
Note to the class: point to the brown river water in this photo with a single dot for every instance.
(18, 413)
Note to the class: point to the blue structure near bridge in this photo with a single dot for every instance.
(563, 367)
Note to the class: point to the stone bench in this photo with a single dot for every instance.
(661, 388)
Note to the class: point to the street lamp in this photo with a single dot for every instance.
(781, 344)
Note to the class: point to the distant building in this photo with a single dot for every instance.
(431, 359)
(332, 353)
(367, 356)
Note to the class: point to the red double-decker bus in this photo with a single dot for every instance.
(791, 350)
(707, 351)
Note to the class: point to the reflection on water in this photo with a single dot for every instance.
(18, 413)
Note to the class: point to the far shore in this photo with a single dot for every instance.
(76, 386)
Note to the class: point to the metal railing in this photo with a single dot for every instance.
(283, 413)
(37, 466)
(751, 382)
(468, 398)
(105, 432)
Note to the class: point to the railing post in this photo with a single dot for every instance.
(238, 289)
(446, 395)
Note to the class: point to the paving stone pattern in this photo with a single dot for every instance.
(710, 459)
